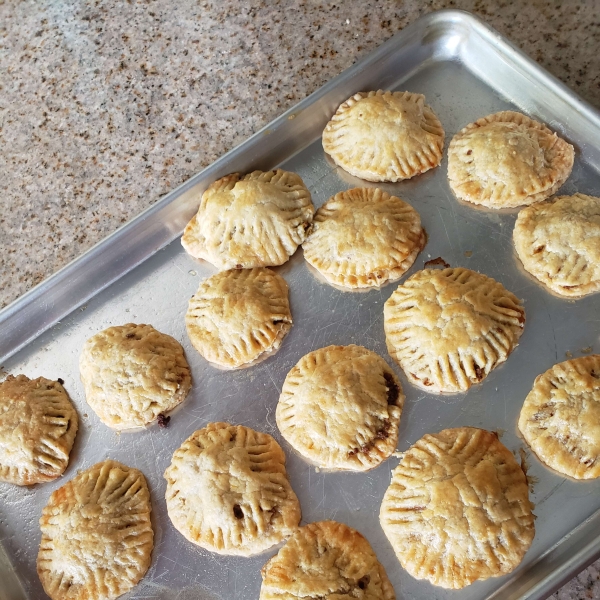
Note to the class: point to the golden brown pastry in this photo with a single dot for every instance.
(457, 509)
(506, 160)
(449, 328)
(384, 136)
(560, 419)
(228, 491)
(255, 220)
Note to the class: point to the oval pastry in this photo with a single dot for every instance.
(364, 238)
(340, 408)
(558, 242)
(132, 374)
(457, 509)
(560, 419)
(38, 425)
(325, 560)
(255, 220)
(97, 537)
(228, 491)
(506, 160)
(384, 136)
(239, 317)
(449, 328)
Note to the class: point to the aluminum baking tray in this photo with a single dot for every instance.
(141, 273)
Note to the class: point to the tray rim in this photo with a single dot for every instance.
(559, 563)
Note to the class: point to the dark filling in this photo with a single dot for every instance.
(363, 582)
(130, 335)
(163, 420)
(392, 389)
(61, 381)
(238, 513)
(382, 434)
(434, 262)
(277, 321)
(238, 266)
(478, 372)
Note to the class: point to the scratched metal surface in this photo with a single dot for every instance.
(157, 292)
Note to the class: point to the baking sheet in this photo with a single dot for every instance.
(466, 71)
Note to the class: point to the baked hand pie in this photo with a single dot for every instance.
(38, 424)
(560, 419)
(558, 242)
(457, 509)
(384, 136)
(506, 160)
(255, 220)
(133, 373)
(325, 560)
(239, 317)
(340, 407)
(97, 536)
(228, 491)
(449, 328)
(363, 238)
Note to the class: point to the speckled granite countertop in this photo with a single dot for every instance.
(105, 106)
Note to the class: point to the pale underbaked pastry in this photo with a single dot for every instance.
(457, 509)
(325, 560)
(506, 160)
(240, 316)
(384, 136)
(558, 242)
(255, 220)
(449, 328)
(363, 238)
(340, 407)
(38, 425)
(228, 491)
(132, 373)
(97, 537)
(560, 419)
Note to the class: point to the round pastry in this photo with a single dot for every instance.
(449, 328)
(228, 491)
(506, 160)
(364, 238)
(560, 419)
(257, 220)
(325, 560)
(132, 374)
(97, 537)
(457, 509)
(38, 425)
(558, 242)
(239, 317)
(384, 136)
(340, 408)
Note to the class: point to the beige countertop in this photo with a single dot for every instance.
(106, 106)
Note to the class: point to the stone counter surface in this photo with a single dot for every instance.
(106, 106)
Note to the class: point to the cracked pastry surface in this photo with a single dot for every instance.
(132, 373)
(364, 237)
(255, 220)
(325, 560)
(560, 418)
(449, 328)
(384, 136)
(340, 408)
(457, 509)
(558, 242)
(228, 491)
(97, 537)
(38, 425)
(237, 317)
(507, 159)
